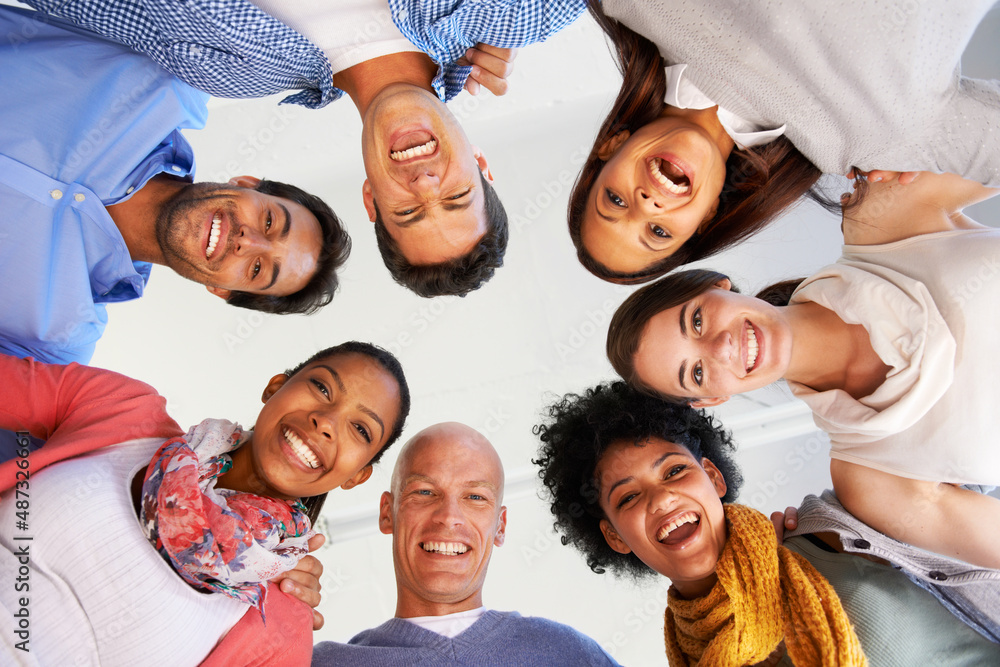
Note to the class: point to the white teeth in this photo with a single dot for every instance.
(752, 348)
(659, 177)
(446, 548)
(213, 238)
(423, 149)
(301, 450)
(687, 517)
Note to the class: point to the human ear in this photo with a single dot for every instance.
(610, 146)
(369, 197)
(248, 182)
(385, 513)
(501, 527)
(714, 474)
(613, 539)
(273, 386)
(219, 292)
(359, 478)
(709, 402)
(725, 283)
(484, 166)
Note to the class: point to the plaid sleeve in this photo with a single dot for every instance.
(444, 29)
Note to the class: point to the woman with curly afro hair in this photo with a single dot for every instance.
(640, 486)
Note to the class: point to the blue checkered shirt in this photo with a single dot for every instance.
(230, 48)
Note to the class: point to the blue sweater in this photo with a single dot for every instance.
(497, 639)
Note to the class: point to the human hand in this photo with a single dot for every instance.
(880, 175)
(787, 520)
(490, 68)
(302, 581)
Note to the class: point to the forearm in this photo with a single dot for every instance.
(938, 517)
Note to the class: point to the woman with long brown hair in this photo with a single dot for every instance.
(887, 347)
(755, 103)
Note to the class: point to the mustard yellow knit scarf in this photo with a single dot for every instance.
(765, 593)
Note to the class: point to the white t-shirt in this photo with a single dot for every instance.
(348, 32)
(449, 625)
(683, 94)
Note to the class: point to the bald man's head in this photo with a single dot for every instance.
(445, 512)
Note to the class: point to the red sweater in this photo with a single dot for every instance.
(77, 409)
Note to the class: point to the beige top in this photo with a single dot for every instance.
(931, 304)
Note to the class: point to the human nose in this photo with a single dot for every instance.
(426, 183)
(661, 499)
(249, 240)
(448, 511)
(647, 202)
(323, 423)
(723, 350)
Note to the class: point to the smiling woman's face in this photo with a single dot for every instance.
(320, 428)
(658, 187)
(664, 506)
(718, 344)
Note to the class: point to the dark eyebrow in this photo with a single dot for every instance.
(461, 206)
(656, 464)
(681, 373)
(284, 234)
(365, 409)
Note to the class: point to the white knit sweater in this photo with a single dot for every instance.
(99, 593)
(872, 83)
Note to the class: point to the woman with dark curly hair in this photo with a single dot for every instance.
(733, 110)
(637, 485)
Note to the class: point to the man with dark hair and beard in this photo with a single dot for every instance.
(95, 187)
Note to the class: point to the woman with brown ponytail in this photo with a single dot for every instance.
(893, 348)
(756, 101)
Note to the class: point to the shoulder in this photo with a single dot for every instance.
(549, 637)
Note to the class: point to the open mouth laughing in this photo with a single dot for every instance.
(678, 529)
(752, 347)
(213, 236)
(300, 449)
(413, 145)
(669, 175)
(444, 548)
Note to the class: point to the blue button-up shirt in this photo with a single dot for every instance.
(84, 123)
(230, 48)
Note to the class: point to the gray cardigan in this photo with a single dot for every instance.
(874, 84)
(971, 593)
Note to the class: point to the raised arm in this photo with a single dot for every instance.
(942, 518)
(929, 203)
(75, 409)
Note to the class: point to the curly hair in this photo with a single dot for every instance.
(578, 431)
(334, 252)
(461, 275)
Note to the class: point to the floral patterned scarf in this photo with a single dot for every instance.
(218, 539)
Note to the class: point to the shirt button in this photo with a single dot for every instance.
(862, 544)
(129, 191)
(79, 196)
(937, 576)
(402, 14)
(176, 168)
(56, 194)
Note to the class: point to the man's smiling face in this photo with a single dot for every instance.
(445, 515)
(424, 176)
(230, 238)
